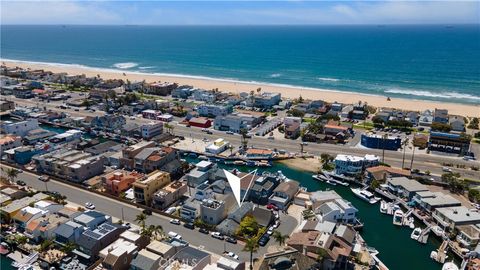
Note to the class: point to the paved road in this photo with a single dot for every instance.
(128, 212)
(422, 161)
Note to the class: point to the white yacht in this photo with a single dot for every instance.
(383, 207)
(416, 233)
(398, 217)
(365, 195)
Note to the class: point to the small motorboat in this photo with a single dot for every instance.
(449, 266)
(416, 234)
(398, 217)
(383, 207)
(365, 195)
(411, 223)
(438, 231)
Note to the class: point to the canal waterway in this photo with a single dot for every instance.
(397, 250)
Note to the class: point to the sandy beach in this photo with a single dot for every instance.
(237, 87)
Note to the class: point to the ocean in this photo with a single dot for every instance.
(435, 62)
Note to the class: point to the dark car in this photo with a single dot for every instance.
(21, 183)
(202, 230)
(147, 211)
(231, 240)
(263, 240)
(189, 225)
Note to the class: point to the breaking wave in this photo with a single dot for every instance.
(125, 65)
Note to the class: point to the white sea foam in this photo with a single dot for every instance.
(275, 75)
(147, 67)
(326, 79)
(424, 93)
(125, 65)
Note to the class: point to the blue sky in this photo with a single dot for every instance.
(239, 12)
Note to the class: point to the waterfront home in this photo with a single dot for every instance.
(338, 210)
(204, 95)
(429, 201)
(44, 227)
(284, 193)
(377, 141)
(145, 188)
(37, 135)
(9, 211)
(183, 92)
(451, 217)
(160, 88)
(320, 197)
(353, 165)
(18, 128)
(120, 181)
(68, 232)
(264, 100)
(440, 116)
(262, 189)
(102, 94)
(25, 215)
(67, 136)
(72, 165)
(448, 142)
(166, 196)
(426, 118)
(151, 129)
(92, 219)
(404, 187)
(203, 171)
(200, 122)
(218, 146)
(468, 236)
(214, 110)
(457, 123)
(108, 122)
(381, 173)
(92, 241)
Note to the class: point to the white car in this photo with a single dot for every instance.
(175, 221)
(217, 235)
(233, 255)
(446, 169)
(174, 235)
(89, 205)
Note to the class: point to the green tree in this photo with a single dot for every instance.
(473, 194)
(68, 247)
(321, 254)
(441, 127)
(251, 246)
(248, 226)
(45, 245)
(374, 184)
(280, 238)
(11, 173)
(244, 133)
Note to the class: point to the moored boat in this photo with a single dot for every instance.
(398, 217)
(416, 234)
(365, 195)
(383, 207)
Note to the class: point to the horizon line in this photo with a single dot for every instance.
(273, 24)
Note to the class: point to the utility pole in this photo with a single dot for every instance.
(404, 148)
(413, 155)
(123, 217)
(383, 147)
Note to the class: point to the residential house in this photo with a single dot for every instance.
(381, 173)
(203, 171)
(68, 232)
(156, 158)
(263, 188)
(18, 128)
(468, 236)
(263, 216)
(204, 95)
(26, 215)
(191, 258)
(353, 165)
(9, 211)
(214, 211)
(214, 110)
(92, 219)
(92, 241)
(166, 196)
(440, 116)
(120, 181)
(44, 227)
(6, 105)
(160, 88)
(404, 187)
(457, 123)
(145, 188)
(338, 210)
(129, 153)
(426, 118)
(451, 217)
(284, 193)
(183, 92)
(118, 255)
(190, 210)
(9, 142)
(266, 100)
(108, 122)
(429, 201)
(237, 121)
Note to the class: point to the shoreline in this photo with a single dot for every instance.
(234, 86)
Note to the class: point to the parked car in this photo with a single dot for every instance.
(21, 183)
(217, 235)
(174, 235)
(263, 240)
(233, 255)
(446, 169)
(89, 205)
(43, 178)
(189, 225)
(272, 206)
(147, 211)
(231, 240)
(230, 132)
(175, 221)
(202, 230)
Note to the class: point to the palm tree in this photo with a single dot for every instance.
(251, 245)
(280, 238)
(157, 231)
(321, 255)
(140, 219)
(244, 132)
(259, 90)
(405, 144)
(11, 174)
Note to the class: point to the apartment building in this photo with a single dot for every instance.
(18, 128)
(72, 165)
(151, 129)
(236, 122)
(214, 110)
(144, 189)
(353, 165)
